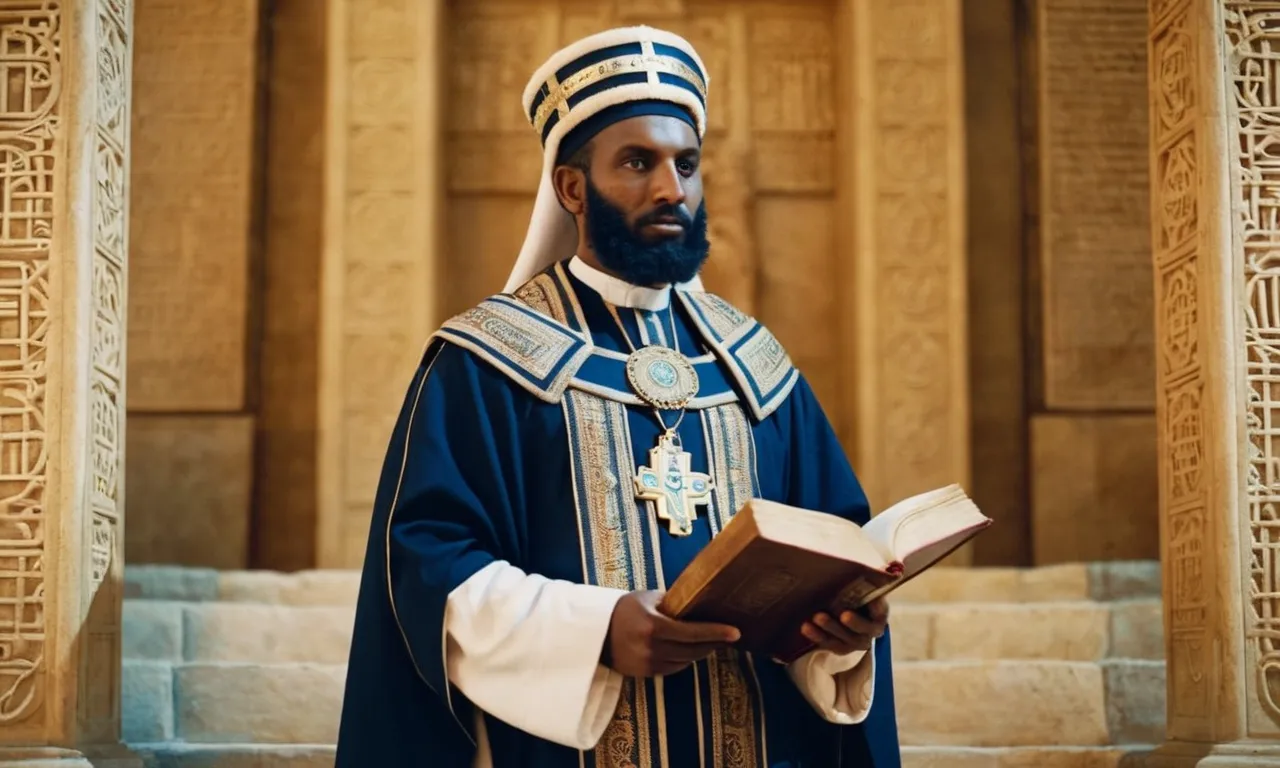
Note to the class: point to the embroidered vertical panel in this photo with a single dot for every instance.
(737, 706)
(617, 552)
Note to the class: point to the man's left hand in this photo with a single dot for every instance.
(851, 632)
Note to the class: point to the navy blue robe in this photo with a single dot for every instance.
(484, 466)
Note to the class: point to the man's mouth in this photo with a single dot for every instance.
(666, 225)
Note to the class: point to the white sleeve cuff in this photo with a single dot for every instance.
(526, 650)
(839, 688)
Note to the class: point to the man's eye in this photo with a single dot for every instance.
(635, 164)
(687, 167)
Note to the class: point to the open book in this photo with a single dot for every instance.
(774, 566)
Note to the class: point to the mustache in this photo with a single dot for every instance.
(678, 212)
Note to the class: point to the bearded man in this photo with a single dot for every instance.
(508, 611)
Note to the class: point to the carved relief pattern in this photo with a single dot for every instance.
(916, 266)
(1252, 37)
(107, 289)
(30, 64)
(1180, 380)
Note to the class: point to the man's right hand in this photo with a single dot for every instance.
(642, 642)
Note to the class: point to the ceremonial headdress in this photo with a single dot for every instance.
(584, 88)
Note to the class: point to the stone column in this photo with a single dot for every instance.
(383, 182)
(64, 145)
(1215, 127)
(903, 186)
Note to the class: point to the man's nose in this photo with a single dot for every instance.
(667, 185)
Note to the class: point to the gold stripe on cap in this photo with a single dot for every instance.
(559, 93)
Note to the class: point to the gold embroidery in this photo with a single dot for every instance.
(723, 318)
(559, 93)
(733, 723)
(731, 456)
(730, 452)
(511, 337)
(540, 294)
(765, 360)
(612, 537)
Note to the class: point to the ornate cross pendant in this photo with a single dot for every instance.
(674, 490)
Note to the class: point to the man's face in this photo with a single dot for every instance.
(644, 210)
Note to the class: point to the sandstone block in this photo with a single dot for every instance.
(996, 585)
(1137, 630)
(1122, 580)
(1136, 711)
(168, 582)
(322, 587)
(152, 630)
(990, 704)
(239, 756)
(911, 628)
(1050, 631)
(259, 703)
(146, 702)
(271, 634)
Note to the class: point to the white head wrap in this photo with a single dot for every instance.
(601, 71)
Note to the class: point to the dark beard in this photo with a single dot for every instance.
(624, 252)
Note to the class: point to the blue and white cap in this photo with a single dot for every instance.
(584, 88)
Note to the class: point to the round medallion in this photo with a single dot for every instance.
(662, 377)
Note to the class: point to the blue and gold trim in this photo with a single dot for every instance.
(754, 356)
(534, 350)
(739, 736)
(618, 551)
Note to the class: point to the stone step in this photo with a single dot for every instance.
(236, 755)
(1064, 631)
(940, 704)
(1034, 757)
(1069, 582)
(1030, 703)
(162, 630)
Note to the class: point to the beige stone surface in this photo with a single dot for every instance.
(258, 703)
(239, 756)
(190, 489)
(270, 634)
(323, 587)
(1065, 631)
(1095, 265)
(193, 130)
(1027, 703)
(146, 693)
(1094, 488)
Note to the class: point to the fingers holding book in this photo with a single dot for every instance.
(850, 631)
(643, 642)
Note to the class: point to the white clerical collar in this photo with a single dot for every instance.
(619, 292)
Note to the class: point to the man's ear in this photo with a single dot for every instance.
(571, 188)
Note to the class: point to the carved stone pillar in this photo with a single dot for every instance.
(64, 146)
(903, 184)
(382, 228)
(1215, 126)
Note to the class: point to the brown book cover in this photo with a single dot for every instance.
(774, 566)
